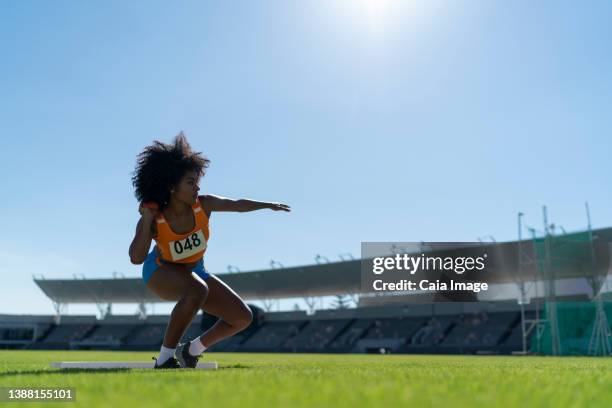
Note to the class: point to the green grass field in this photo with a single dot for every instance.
(315, 380)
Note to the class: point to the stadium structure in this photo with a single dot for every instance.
(555, 309)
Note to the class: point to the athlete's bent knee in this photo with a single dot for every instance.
(197, 294)
(244, 319)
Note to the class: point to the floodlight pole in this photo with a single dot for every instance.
(551, 294)
(599, 344)
(521, 282)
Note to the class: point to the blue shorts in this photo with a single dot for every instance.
(151, 265)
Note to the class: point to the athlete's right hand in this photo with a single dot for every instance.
(147, 212)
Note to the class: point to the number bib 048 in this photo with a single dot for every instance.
(186, 247)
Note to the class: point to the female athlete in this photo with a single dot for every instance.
(166, 182)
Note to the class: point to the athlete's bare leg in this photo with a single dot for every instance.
(175, 282)
(234, 315)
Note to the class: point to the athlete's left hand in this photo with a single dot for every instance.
(279, 207)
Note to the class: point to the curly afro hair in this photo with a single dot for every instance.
(161, 166)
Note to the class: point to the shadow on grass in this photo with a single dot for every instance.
(233, 366)
(71, 371)
(64, 371)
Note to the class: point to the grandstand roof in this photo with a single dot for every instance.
(311, 280)
(302, 281)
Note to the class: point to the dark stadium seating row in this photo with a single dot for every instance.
(498, 332)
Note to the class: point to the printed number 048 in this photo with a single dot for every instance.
(189, 244)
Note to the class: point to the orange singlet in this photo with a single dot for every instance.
(183, 248)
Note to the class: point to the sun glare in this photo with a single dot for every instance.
(377, 12)
(376, 16)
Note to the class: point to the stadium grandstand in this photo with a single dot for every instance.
(400, 323)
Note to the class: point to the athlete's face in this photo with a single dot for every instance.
(188, 187)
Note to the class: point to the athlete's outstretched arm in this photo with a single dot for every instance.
(216, 203)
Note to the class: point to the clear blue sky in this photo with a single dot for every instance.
(375, 120)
